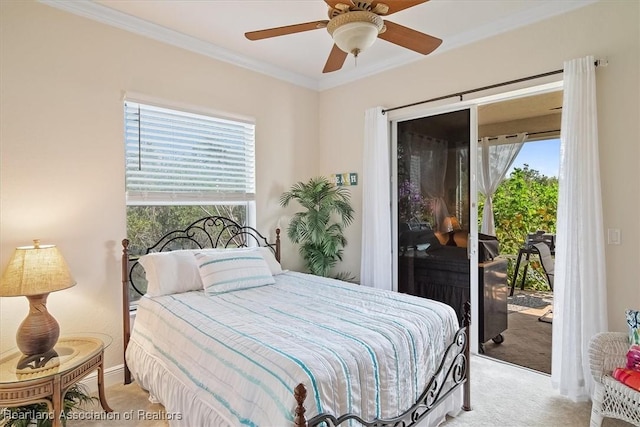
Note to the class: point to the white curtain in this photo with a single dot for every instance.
(376, 260)
(433, 170)
(495, 156)
(428, 169)
(580, 297)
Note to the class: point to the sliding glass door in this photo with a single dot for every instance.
(435, 215)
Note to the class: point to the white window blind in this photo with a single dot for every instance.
(175, 157)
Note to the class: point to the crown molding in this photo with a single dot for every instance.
(105, 15)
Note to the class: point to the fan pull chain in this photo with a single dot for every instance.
(355, 53)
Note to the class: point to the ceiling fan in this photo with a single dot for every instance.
(355, 25)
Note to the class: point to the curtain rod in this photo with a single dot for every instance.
(544, 131)
(598, 62)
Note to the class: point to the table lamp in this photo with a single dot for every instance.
(451, 224)
(34, 272)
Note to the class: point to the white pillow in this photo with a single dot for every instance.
(270, 257)
(224, 271)
(170, 273)
(176, 271)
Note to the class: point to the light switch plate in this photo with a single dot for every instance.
(613, 236)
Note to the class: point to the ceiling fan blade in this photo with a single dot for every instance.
(395, 5)
(335, 60)
(288, 29)
(409, 38)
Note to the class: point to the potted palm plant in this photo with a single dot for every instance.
(320, 236)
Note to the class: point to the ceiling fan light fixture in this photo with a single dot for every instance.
(354, 26)
(353, 32)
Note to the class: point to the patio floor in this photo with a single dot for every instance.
(527, 341)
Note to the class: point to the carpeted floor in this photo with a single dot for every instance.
(131, 408)
(504, 395)
(501, 395)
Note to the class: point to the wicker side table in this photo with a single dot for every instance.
(611, 398)
(47, 379)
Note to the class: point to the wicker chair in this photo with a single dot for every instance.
(611, 398)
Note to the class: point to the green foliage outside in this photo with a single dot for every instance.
(524, 202)
(320, 237)
(38, 414)
(146, 224)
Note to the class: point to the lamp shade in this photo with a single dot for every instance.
(35, 270)
(455, 224)
(451, 223)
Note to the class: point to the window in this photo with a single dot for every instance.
(182, 166)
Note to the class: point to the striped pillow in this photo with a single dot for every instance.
(633, 320)
(223, 272)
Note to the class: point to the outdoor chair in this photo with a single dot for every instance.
(548, 265)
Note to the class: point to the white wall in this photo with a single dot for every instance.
(607, 29)
(62, 150)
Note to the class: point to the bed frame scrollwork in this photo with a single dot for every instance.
(452, 373)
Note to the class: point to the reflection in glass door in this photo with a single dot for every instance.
(433, 207)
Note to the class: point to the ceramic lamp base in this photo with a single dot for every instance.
(38, 333)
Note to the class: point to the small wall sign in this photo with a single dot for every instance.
(346, 179)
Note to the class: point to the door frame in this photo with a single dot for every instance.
(472, 104)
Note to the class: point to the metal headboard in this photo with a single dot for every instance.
(207, 232)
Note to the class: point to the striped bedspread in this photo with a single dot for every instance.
(234, 359)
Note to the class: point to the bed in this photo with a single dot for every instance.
(224, 336)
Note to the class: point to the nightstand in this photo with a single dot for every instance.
(47, 379)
